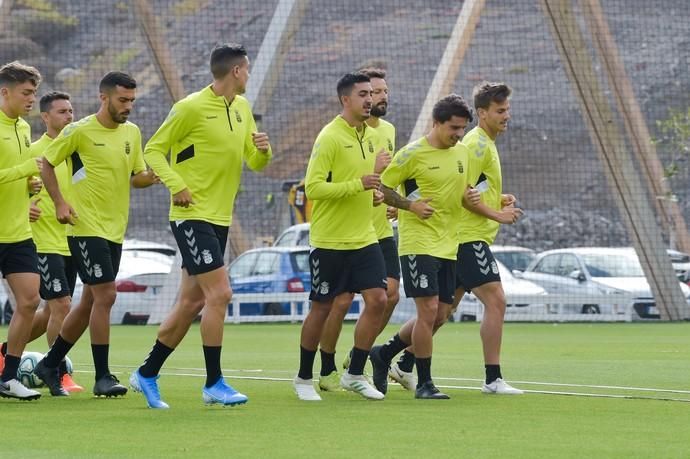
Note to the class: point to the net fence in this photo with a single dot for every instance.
(596, 151)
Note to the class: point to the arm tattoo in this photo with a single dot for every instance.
(393, 199)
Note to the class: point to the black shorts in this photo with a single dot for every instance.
(426, 275)
(202, 244)
(18, 257)
(336, 271)
(476, 266)
(58, 275)
(390, 257)
(97, 259)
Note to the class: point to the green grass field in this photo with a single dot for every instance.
(260, 359)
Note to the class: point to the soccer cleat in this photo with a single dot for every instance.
(359, 384)
(304, 389)
(69, 385)
(51, 378)
(406, 379)
(429, 391)
(14, 389)
(330, 383)
(500, 387)
(2, 362)
(222, 393)
(148, 387)
(380, 369)
(108, 386)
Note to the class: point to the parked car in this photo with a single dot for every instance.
(470, 308)
(681, 264)
(270, 269)
(294, 236)
(596, 271)
(513, 257)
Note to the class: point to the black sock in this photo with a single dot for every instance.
(393, 348)
(100, 359)
(493, 372)
(57, 352)
(3, 349)
(11, 367)
(62, 367)
(423, 370)
(212, 357)
(327, 363)
(153, 363)
(359, 359)
(406, 361)
(306, 363)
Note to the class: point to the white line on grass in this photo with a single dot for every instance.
(172, 372)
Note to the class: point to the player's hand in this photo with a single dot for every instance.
(39, 163)
(35, 184)
(371, 182)
(378, 197)
(260, 140)
(421, 208)
(183, 198)
(472, 196)
(509, 215)
(65, 214)
(34, 210)
(383, 159)
(507, 200)
(392, 213)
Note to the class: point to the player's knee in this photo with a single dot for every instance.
(220, 297)
(393, 296)
(28, 304)
(60, 307)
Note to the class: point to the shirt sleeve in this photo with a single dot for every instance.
(175, 128)
(25, 169)
(317, 184)
(63, 146)
(138, 164)
(397, 171)
(256, 160)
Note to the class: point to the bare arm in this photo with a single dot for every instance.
(508, 215)
(421, 207)
(63, 211)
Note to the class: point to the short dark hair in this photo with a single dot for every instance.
(15, 72)
(348, 81)
(450, 106)
(47, 100)
(224, 57)
(113, 79)
(374, 72)
(485, 93)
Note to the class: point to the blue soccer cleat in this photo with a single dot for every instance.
(222, 393)
(148, 387)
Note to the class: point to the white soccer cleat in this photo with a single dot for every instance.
(304, 388)
(359, 384)
(14, 389)
(500, 387)
(406, 379)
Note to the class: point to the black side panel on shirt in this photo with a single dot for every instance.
(77, 165)
(410, 186)
(185, 154)
(329, 179)
(481, 178)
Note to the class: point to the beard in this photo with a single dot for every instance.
(379, 110)
(118, 117)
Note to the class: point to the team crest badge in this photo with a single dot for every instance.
(27, 142)
(371, 147)
(460, 168)
(237, 115)
(324, 288)
(390, 145)
(127, 147)
(423, 281)
(208, 258)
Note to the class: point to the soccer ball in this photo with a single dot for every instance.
(26, 367)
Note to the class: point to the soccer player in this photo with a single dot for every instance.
(104, 156)
(346, 257)
(476, 269)
(329, 379)
(208, 134)
(57, 270)
(433, 169)
(18, 261)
